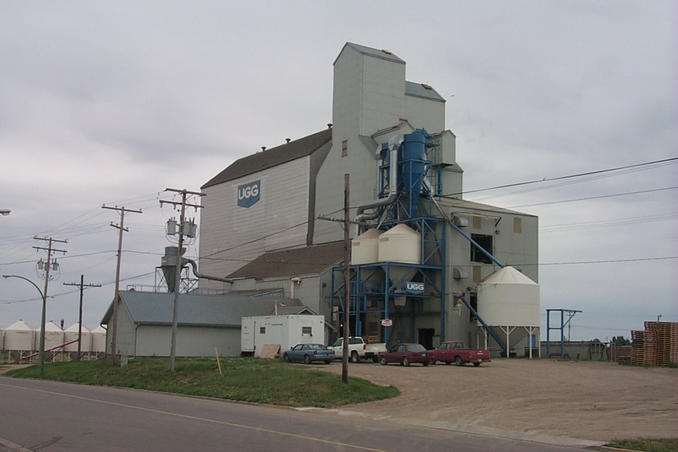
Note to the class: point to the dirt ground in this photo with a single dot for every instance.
(588, 400)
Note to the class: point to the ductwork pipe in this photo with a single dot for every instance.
(393, 144)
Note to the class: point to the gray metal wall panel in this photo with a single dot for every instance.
(283, 203)
(154, 340)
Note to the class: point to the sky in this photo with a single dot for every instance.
(112, 102)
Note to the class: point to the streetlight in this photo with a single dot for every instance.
(42, 323)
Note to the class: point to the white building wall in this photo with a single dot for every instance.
(283, 203)
(154, 340)
(382, 95)
(425, 113)
(125, 340)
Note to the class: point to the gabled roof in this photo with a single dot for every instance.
(273, 157)
(224, 310)
(422, 90)
(299, 261)
(379, 53)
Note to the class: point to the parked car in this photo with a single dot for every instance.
(358, 349)
(309, 353)
(405, 354)
(457, 352)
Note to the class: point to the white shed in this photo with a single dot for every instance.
(98, 340)
(71, 334)
(19, 337)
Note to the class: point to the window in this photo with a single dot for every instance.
(344, 148)
(517, 225)
(339, 342)
(354, 340)
(307, 330)
(486, 242)
(262, 330)
(297, 347)
(474, 305)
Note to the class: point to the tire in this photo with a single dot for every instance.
(286, 357)
(406, 362)
(354, 357)
(383, 361)
(327, 361)
(375, 359)
(433, 363)
(458, 361)
(476, 364)
(426, 363)
(307, 359)
(447, 363)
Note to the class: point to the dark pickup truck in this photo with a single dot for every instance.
(457, 352)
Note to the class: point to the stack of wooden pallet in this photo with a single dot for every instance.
(638, 347)
(657, 345)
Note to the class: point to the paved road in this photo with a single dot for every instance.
(53, 416)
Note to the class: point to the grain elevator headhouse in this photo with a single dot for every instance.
(419, 250)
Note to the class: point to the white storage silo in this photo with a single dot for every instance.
(365, 247)
(54, 336)
(2, 339)
(19, 337)
(400, 244)
(509, 300)
(507, 297)
(71, 334)
(98, 340)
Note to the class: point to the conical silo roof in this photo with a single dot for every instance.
(508, 275)
(19, 325)
(74, 328)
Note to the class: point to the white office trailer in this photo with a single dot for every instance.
(283, 330)
(273, 209)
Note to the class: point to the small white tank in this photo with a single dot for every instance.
(365, 247)
(98, 340)
(19, 337)
(400, 244)
(71, 334)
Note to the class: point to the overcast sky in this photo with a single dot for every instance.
(113, 102)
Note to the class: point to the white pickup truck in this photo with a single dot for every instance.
(358, 349)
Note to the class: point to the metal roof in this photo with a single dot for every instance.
(422, 90)
(454, 204)
(273, 157)
(299, 261)
(201, 310)
(379, 53)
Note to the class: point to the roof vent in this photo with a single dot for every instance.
(387, 52)
(329, 125)
(426, 86)
(263, 148)
(288, 140)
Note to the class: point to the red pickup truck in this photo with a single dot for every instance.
(457, 352)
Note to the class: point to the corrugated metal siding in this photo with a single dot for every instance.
(283, 203)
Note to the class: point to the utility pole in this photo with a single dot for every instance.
(121, 227)
(347, 278)
(177, 277)
(47, 265)
(82, 285)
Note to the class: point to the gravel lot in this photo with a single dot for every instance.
(588, 400)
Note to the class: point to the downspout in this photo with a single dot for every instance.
(393, 144)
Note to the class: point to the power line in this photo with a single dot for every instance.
(613, 195)
(569, 176)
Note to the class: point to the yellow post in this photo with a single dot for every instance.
(216, 352)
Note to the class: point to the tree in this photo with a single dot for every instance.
(620, 341)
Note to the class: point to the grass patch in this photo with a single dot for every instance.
(646, 444)
(245, 379)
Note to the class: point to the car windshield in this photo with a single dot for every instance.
(338, 342)
(416, 348)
